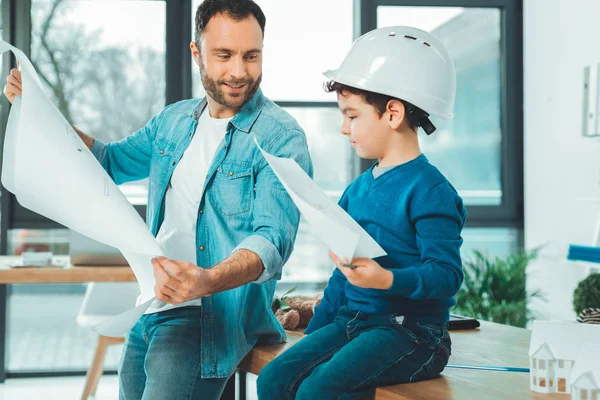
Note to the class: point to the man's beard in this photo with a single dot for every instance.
(214, 90)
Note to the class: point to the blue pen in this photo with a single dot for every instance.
(488, 368)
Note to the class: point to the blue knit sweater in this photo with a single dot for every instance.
(416, 216)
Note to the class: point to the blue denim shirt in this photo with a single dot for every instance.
(243, 206)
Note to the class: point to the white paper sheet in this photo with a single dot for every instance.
(51, 171)
(327, 220)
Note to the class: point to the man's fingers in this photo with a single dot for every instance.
(172, 268)
(162, 277)
(11, 80)
(15, 73)
(166, 295)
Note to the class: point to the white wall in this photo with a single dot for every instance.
(562, 169)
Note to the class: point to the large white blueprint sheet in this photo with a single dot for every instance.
(51, 171)
(327, 220)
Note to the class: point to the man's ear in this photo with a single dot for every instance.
(395, 113)
(195, 53)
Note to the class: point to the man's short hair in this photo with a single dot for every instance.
(235, 9)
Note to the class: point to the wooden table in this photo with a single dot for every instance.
(68, 274)
(491, 345)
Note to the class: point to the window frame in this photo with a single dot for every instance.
(16, 20)
(509, 214)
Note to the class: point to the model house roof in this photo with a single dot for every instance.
(563, 338)
(587, 361)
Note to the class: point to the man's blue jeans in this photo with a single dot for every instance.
(161, 359)
(355, 354)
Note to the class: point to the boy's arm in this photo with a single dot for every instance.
(438, 220)
(333, 298)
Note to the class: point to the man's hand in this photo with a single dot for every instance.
(180, 281)
(13, 85)
(367, 274)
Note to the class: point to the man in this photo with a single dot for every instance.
(224, 221)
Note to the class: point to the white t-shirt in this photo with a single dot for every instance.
(177, 234)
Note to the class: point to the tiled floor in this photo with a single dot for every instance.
(42, 334)
(56, 389)
(71, 388)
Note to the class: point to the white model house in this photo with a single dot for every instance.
(585, 377)
(553, 349)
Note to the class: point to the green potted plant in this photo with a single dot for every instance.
(586, 299)
(494, 288)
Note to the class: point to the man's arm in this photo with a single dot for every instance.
(181, 281)
(275, 217)
(128, 159)
(240, 268)
(88, 140)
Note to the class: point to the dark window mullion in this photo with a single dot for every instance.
(17, 31)
(178, 57)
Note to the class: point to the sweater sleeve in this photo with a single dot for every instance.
(438, 219)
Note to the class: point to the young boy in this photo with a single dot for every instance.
(383, 321)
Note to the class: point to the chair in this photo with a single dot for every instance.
(101, 301)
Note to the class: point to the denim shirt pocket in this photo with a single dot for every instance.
(162, 152)
(231, 190)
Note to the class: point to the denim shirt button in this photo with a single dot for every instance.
(162, 152)
(201, 248)
(205, 316)
(231, 174)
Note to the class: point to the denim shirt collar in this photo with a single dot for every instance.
(245, 117)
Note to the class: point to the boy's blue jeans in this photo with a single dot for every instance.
(355, 354)
(162, 359)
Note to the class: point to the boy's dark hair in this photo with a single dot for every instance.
(414, 114)
(235, 9)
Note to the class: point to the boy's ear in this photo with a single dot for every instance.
(395, 113)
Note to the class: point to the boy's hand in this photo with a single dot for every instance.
(367, 274)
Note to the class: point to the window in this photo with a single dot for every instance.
(480, 149)
(584, 394)
(467, 148)
(106, 73)
(498, 242)
(104, 70)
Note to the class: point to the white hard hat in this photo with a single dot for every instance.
(402, 62)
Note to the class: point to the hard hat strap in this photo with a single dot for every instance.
(420, 117)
